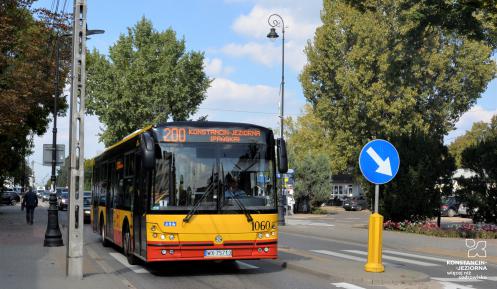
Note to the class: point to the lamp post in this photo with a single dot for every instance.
(53, 236)
(275, 20)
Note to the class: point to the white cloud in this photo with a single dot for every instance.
(238, 102)
(255, 24)
(475, 114)
(268, 54)
(214, 67)
(301, 20)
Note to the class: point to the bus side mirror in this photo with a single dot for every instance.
(282, 157)
(147, 149)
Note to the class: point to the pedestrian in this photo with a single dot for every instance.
(30, 202)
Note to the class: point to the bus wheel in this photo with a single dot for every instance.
(105, 243)
(132, 260)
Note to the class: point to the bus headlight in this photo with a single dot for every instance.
(163, 252)
(163, 237)
(153, 228)
(171, 237)
(267, 235)
(260, 235)
(155, 235)
(266, 249)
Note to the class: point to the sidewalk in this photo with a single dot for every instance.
(26, 263)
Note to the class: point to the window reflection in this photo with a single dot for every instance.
(185, 172)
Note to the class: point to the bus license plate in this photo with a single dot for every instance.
(217, 253)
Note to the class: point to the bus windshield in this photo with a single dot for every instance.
(216, 177)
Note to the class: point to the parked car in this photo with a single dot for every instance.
(45, 196)
(355, 203)
(87, 207)
(452, 206)
(9, 197)
(63, 200)
(39, 193)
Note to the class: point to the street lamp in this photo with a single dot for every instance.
(275, 20)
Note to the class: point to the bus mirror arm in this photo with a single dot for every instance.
(282, 156)
(148, 152)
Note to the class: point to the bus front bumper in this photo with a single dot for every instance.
(157, 252)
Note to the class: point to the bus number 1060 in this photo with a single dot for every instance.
(261, 226)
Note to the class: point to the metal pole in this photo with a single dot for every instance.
(54, 130)
(275, 20)
(376, 197)
(76, 131)
(53, 236)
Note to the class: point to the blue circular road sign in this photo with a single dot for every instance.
(379, 161)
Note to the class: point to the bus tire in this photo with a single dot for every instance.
(127, 245)
(105, 242)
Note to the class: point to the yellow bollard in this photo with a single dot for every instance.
(374, 244)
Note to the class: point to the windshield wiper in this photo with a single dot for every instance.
(192, 212)
(244, 209)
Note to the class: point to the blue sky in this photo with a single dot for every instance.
(246, 66)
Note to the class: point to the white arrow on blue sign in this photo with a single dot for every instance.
(379, 161)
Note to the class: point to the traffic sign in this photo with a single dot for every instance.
(379, 161)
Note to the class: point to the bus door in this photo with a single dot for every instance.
(109, 204)
(140, 209)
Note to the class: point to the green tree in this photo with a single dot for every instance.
(480, 190)
(479, 132)
(473, 19)
(424, 175)
(305, 135)
(366, 79)
(147, 78)
(371, 74)
(27, 72)
(312, 179)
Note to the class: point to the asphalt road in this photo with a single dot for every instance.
(262, 274)
(340, 240)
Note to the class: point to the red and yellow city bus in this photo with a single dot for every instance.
(190, 191)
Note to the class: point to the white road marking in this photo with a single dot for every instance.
(386, 257)
(449, 285)
(456, 280)
(135, 268)
(416, 256)
(336, 254)
(346, 286)
(492, 278)
(244, 266)
(308, 223)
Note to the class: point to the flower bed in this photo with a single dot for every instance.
(474, 231)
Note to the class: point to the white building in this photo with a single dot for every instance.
(344, 186)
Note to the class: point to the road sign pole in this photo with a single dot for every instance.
(376, 197)
(379, 163)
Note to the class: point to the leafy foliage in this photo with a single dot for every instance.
(383, 69)
(27, 72)
(366, 79)
(424, 176)
(312, 179)
(147, 78)
(480, 190)
(479, 131)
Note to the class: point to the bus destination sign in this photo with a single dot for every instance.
(217, 135)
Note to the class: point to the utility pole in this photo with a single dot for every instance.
(76, 143)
